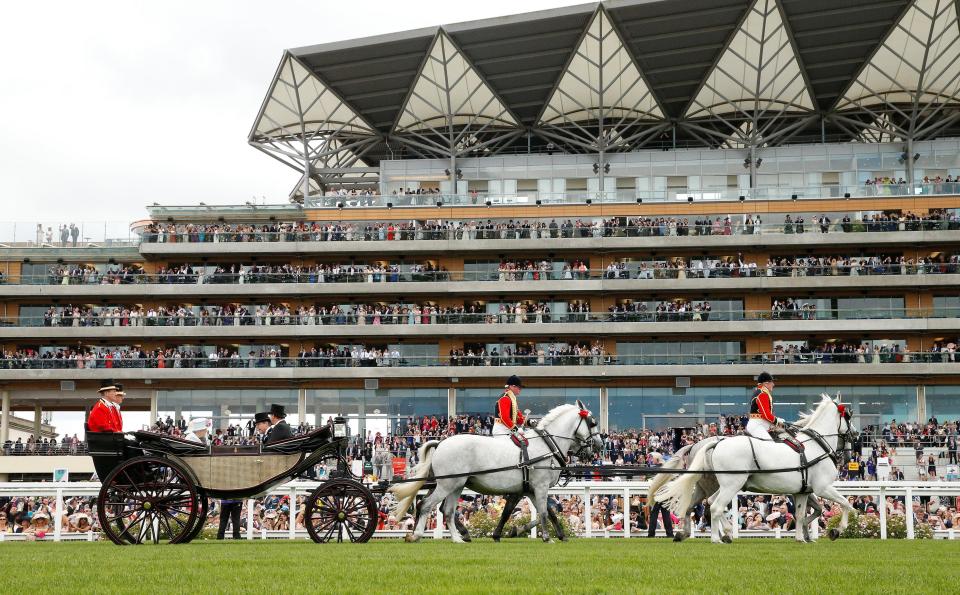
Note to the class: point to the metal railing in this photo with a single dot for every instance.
(359, 274)
(137, 319)
(538, 230)
(631, 195)
(381, 359)
(23, 449)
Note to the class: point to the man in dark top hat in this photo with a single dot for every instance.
(261, 425)
(280, 429)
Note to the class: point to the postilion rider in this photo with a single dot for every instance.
(105, 415)
(762, 419)
(509, 419)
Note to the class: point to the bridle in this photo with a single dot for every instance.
(845, 440)
(585, 445)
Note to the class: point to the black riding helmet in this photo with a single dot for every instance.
(764, 377)
(514, 381)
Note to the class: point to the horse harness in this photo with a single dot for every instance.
(798, 447)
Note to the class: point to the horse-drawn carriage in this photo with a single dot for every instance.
(155, 486)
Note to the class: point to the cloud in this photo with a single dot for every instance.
(110, 106)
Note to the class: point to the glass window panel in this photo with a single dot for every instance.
(943, 402)
(481, 401)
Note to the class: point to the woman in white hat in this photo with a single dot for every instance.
(197, 430)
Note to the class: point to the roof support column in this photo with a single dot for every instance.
(153, 407)
(4, 416)
(909, 162)
(753, 168)
(37, 418)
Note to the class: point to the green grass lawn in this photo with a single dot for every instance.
(581, 566)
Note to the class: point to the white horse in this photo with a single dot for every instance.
(707, 484)
(824, 433)
(463, 461)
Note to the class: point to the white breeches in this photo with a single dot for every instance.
(759, 428)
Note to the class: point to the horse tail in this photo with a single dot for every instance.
(678, 493)
(407, 491)
(661, 479)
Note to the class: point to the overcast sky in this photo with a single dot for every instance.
(112, 105)
(109, 106)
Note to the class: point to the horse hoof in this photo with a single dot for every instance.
(513, 532)
(496, 538)
(466, 538)
(678, 537)
(411, 538)
(564, 539)
(834, 534)
(726, 539)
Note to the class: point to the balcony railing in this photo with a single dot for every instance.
(143, 319)
(631, 195)
(358, 274)
(531, 230)
(397, 361)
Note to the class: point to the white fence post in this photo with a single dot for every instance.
(908, 511)
(587, 512)
(293, 513)
(626, 513)
(58, 519)
(883, 513)
(735, 515)
(438, 530)
(251, 504)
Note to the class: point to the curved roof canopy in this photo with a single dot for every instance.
(625, 74)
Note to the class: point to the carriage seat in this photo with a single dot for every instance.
(303, 443)
(168, 444)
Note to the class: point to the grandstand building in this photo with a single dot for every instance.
(638, 204)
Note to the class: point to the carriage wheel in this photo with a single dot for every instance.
(339, 510)
(201, 518)
(148, 500)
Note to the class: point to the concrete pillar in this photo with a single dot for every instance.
(451, 402)
(153, 407)
(37, 417)
(302, 409)
(4, 416)
(604, 409)
(921, 403)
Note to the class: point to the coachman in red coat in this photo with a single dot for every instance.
(105, 415)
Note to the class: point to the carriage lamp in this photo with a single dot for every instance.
(339, 427)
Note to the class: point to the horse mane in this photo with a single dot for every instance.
(554, 413)
(808, 419)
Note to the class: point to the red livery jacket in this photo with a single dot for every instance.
(507, 411)
(104, 418)
(761, 406)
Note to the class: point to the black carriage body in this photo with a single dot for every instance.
(231, 472)
(155, 486)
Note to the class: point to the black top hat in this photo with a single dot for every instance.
(764, 377)
(261, 417)
(514, 381)
(108, 385)
(278, 411)
(120, 389)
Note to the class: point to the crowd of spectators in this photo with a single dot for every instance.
(33, 516)
(35, 445)
(511, 270)
(515, 229)
(541, 354)
(88, 274)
